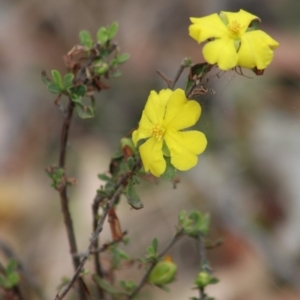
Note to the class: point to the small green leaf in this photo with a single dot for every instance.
(102, 35)
(85, 38)
(83, 111)
(254, 25)
(53, 88)
(57, 79)
(132, 198)
(197, 72)
(170, 171)
(104, 177)
(128, 285)
(155, 244)
(77, 92)
(11, 267)
(110, 289)
(117, 73)
(3, 282)
(112, 30)
(45, 78)
(130, 162)
(13, 279)
(122, 58)
(68, 80)
(214, 280)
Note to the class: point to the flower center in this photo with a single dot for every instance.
(158, 132)
(235, 27)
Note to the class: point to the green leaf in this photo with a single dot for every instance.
(155, 244)
(57, 79)
(85, 39)
(196, 223)
(254, 25)
(170, 171)
(112, 30)
(13, 279)
(132, 198)
(214, 280)
(11, 267)
(123, 254)
(128, 285)
(122, 58)
(197, 72)
(77, 92)
(68, 80)
(130, 162)
(110, 289)
(102, 35)
(45, 78)
(102, 69)
(104, 177)
(53, 88)
(117, 73)
(83, 111)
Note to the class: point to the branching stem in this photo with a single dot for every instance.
(175, 239)
(119, 187)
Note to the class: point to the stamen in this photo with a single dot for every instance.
(158, 132)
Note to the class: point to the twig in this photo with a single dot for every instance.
(183, 65)
(98, 268)
(176, 237)
(64, 200)
(105, 246)
(189, 93)
(118, 190)
(204, 264)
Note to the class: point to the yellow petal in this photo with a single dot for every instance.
(184, 147)
(256, 50)
(181, 113)
(207, 27)
(242, 17)
(144, 130)
(155, 106)
(221, 52)
(152, 156)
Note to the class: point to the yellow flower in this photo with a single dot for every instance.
(162, 121)
(233, 41)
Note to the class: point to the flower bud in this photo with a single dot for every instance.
(202, 279)
(163, 273)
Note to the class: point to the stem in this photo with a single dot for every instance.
(204, 264)
(178, 74)
(64, 200)
(97, 262)
(118, 190)
(176, 237)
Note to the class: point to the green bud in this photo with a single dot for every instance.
(163, 273)
(203, 279)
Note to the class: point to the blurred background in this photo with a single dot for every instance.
(247, 179)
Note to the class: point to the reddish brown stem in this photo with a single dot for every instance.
(64, 200)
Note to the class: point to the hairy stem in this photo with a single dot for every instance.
(64, 200)
(175, 239)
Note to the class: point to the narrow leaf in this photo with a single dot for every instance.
(122, 58)
(85, 39)
(53, 88)
(132, 198)
(57, 79)
(68, 80)
(102, 35)
(112, 30)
